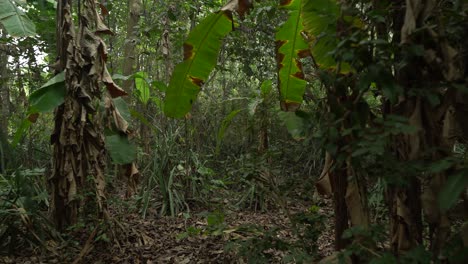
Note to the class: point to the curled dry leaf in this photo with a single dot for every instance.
(133, 177)
(323, 184)
(113, 89)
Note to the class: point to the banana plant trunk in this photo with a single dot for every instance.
(436, 123)
(78, 141)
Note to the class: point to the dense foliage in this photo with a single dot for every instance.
(303, 109)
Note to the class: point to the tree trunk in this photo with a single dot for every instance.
(78, 141)
(129, 172)
(435, 122)
(4, 89)
(129, 63)
(4, 104)
(339, 183)
(166, 48)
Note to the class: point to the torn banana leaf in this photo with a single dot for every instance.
(200, 56)
(290, 47)
(320, 23)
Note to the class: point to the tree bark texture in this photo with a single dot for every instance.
(436, 124)
(130, 56)
(129, 172)
(4, 89)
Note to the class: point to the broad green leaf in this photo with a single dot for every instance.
(224, 126)
(320, 22)
(296, 125)
(160, 86)
(142, 87)
(121, 150)
(158, 102)
(15, 21)
(215, 218)
(200, 56)
(122, 107)
(49, 96)
(441, 165)
(418, 254)
(266, 87)
(450, 193)
(24, 126)
(290, 47)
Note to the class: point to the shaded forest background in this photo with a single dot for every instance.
(249, 131)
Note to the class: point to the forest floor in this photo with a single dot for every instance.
(187, 238)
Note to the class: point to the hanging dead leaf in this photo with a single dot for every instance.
(113, 89)
(101, 28)
(323, 184)
(240, 6)
(104, 10)
(33, 117)
(357, 210)
(133, 177)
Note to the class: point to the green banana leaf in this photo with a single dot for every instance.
(453, 188)
(121, 150)
(200, 56)
(290, 47)
(265, 88)
(320, 22)
(49, 96)
(142, 87)
(123, 108)
(15, 21)
(43, 100)
(52, 94)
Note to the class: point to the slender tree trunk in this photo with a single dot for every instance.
(338, 180)
(129, 172)
(129, 63)
(166, 47)
(4, 104)
(405, 206)
(4, 89)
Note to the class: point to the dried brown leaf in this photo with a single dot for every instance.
(323, 184)
(240, 6)
(113, 89)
